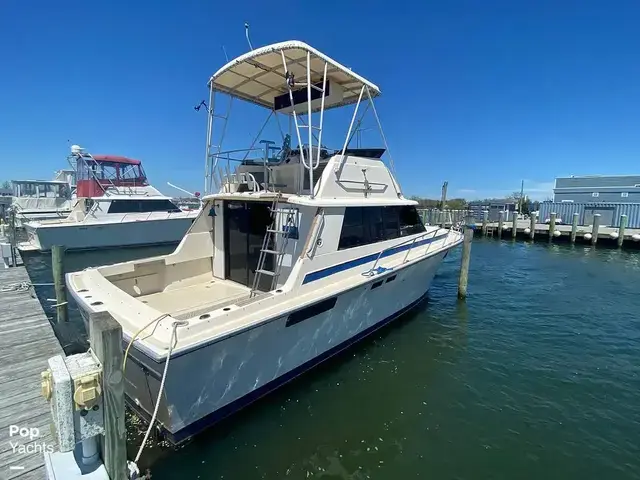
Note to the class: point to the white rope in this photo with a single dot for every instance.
(21, 287)
(164, 377)
(15, 287)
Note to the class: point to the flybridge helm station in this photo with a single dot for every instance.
(295, 80)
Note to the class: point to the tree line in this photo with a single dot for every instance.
(524, 203)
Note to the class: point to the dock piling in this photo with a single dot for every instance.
(500, 223)
(595, 228)
(623, 225)
(574, 227)
(552, 225)
(514, 224)
(106, 343)
(532, 225)
(57, 266)
(485, 221)
(463, 280)
(14, 236)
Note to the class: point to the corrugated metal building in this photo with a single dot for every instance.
(609, 212)
(598, 188)
(494, 207)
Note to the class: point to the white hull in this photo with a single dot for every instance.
(85, 236)
(212, 381)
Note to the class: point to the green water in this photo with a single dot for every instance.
(536, 376)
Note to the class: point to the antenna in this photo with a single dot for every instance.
(224, 50)
(246, 32)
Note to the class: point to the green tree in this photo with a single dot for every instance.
(6, 184)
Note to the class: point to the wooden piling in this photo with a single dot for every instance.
(13, 239)
(485, 221)
(595, 228)
(500, 223)
(463, 280)
(106, 342)
(532, 225)
(514, 224)
(574, 227)
(552, 225)
(623, 225)
(57, 266)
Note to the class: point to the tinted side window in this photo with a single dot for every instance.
(157, 206)
(373, 220)
(365, 225)
(391, 222)
(353, 232)
(142, 206)
(124, 206)
(410, 222)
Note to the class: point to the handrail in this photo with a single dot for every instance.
(319, 222)
(239, 150)
(372, 270)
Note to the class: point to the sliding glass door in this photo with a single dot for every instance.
(245, 226)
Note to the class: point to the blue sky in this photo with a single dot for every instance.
(479, 93)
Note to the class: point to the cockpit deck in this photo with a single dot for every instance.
(187, 301)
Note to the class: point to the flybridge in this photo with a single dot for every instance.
(292, 79)
(95, 174)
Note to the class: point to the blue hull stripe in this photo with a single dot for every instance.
(318, 274)
(214, 417)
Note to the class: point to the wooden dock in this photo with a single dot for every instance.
(584, 233)
(27, 341)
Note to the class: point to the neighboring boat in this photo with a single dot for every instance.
(297, 253)
(116, 207)
(35, 200)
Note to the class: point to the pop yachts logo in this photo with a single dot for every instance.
(24, 440)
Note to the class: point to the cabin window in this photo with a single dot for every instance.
(366, 225)
(142, 206)
(410, 221)
(353, 233)
(391, 222)
(373, 219)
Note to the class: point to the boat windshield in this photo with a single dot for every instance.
(35, 189)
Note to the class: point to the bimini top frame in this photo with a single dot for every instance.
(259, 75)
(282, 77)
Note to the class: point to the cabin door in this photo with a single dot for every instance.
(245, 225)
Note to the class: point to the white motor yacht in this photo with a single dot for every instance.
(35, 200)
(116, 207)
(298, 252)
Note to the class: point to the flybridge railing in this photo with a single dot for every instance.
(223, 169)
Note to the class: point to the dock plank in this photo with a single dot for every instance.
(27, 341)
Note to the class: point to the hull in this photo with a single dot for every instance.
(105, 235)
(214, 380)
